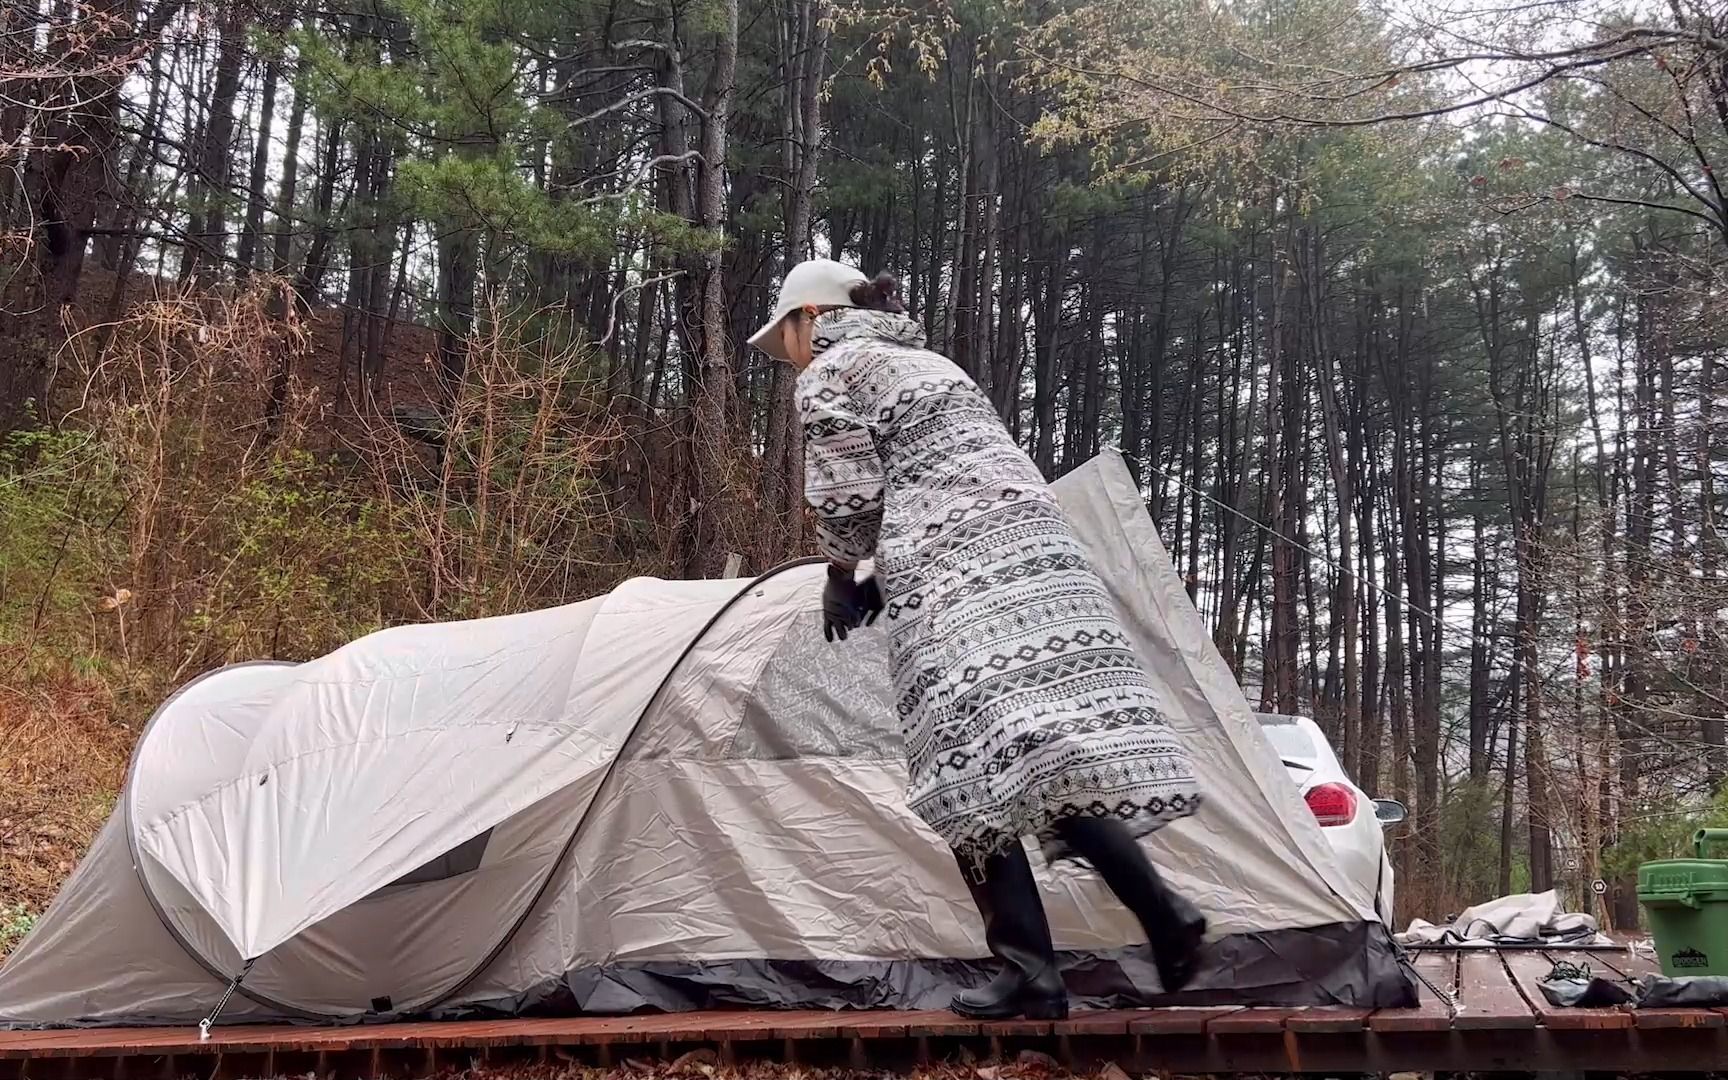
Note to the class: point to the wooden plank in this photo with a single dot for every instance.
(770, 1025)
(589, 1030)
(1019, 1028)
(1487, 997)
(1177, 1020)
(1139, 1049)
(1327, 1021)
(1305, 1019)
(941, 1024)
(1250, 1022)
(1528, 969)
(1633, 966)
(880, 1025)
(1669, 1019)
(1430, 1013)
(1100, 1022)
(628, 1030)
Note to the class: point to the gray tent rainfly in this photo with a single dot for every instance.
(673, 796)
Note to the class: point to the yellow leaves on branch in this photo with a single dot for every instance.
(923, 29)
(1182, 85)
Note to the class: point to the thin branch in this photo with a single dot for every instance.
(631, 99)
(612, 313)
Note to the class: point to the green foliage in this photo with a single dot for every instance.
(15, 922)
(306, 561)
(1470, 840)
(450, 89)
(59, 499)
(289, 560)
(490, 193)
(153, 544)
(1662, 829)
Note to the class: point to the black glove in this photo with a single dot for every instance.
(848, 603)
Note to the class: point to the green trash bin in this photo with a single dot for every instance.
(1688, 904)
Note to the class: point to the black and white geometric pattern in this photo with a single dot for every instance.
(1020, 698)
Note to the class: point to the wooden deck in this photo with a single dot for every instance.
(1502, 1023)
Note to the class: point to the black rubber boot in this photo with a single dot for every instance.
(1030, 984)
(1173, 926)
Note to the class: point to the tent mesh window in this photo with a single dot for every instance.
(816, 699)
(464, 858)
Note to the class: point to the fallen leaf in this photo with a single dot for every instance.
(693, 1060)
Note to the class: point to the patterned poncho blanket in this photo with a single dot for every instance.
(1020, 698)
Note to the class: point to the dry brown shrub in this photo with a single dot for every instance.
(200, 503)
(509, 511)
(62, 762)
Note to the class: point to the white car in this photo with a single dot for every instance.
(1353, 822)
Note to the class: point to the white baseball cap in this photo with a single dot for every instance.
(821, 283)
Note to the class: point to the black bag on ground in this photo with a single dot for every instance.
(1685, 992)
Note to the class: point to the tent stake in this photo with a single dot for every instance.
(222, 1003)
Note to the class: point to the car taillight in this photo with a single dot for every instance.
(1333, 804)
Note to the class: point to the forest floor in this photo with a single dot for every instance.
(62, 762)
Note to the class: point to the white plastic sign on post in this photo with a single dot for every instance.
(1598, 886)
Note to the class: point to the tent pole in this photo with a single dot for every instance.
(222, 1003)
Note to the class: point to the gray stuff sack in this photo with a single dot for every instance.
(1586, 993)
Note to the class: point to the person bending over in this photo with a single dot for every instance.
(1024, 709)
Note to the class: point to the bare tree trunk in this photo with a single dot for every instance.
(73, 184)
(1480, 629)
(1281, 438)
(254, 227)
(120, 251)
(804, 61)
(209, 231)
(310, 281)
(1396, 693)
(280, 258)
(1345, 588)
(715, 407)
(1047, 336)
(1713, 730)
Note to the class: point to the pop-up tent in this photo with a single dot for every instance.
(676, 795)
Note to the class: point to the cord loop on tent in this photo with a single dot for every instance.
(205, 1024)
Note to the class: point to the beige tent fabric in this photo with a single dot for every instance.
(100, 954)
(411, 741)
(1271, 846)
(757, 811)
